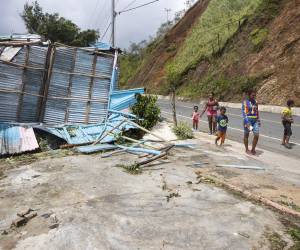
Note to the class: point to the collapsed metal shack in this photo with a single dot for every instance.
(67, 91)
(55, 84)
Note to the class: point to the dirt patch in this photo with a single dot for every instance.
(227, 173)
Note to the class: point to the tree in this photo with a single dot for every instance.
(164, 28)
(55, 28)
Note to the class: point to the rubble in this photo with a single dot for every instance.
(23, 218)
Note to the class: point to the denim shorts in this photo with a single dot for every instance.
(254, 123)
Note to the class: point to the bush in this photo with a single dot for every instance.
(258, 38)
(146, 110)
(183, 131)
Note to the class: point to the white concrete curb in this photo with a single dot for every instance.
(263, 108)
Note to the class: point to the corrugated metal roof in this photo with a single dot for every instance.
(21, 37)
(101, 46)
(16, 139)
(81, 134)
(123, 99)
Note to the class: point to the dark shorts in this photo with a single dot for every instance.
(287, 128)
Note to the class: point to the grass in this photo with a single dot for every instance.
(183, 131)
(203, 39)
(221, 85)
(295, 234)
(129, 65)
(133, 169)
(276, 241)
(290, 204)
(258, 38)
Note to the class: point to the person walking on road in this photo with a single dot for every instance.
(195, 118)
(287, 120)
(211, 107)
(222, 121)
(251, 121)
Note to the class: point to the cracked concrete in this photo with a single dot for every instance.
(99, 206)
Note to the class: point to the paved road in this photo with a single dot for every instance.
(271, 129)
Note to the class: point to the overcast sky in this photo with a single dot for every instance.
(132, 26)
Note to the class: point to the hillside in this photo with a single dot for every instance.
(227, 46)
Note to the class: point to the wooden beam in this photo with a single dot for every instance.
(49, 75)
(42, 88)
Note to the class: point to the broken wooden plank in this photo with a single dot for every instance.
(108, 132)
(163, 154)
(146, 130)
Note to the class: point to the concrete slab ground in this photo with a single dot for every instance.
(91, 204)
(279, 181)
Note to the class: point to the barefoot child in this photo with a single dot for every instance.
(287, 120)
(222, 121)
(195, 117)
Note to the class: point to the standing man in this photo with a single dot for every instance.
(251, 121)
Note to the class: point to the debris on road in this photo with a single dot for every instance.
(239, 166)
(23, 218)
(28, 211)
(172, 195)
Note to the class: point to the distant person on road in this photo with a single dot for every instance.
(211, 107)
(222, 122)
(196, 117)
(287, 120)
(251, 120)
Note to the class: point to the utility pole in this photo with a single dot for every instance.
(113, 22)
(167, 10)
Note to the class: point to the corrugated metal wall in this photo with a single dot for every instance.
(75, 91)
(79, 86)
(20, 89)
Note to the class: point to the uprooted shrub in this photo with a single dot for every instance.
(183, 131)
(146, 110)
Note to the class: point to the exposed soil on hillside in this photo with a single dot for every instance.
(274, 67)
(153, 74)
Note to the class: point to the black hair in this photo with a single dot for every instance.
(196, 107)
(250, 91)
(223, 108)
(290, 102)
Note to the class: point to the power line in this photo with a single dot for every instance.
(137, 7)
(128, 5)
(105, 32)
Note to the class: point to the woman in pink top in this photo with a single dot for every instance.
(211, 107)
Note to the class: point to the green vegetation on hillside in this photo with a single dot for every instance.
(213, 54)
(218, 23)
(258, 37)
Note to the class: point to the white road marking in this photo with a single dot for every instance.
(240, 116)
(240, 130)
